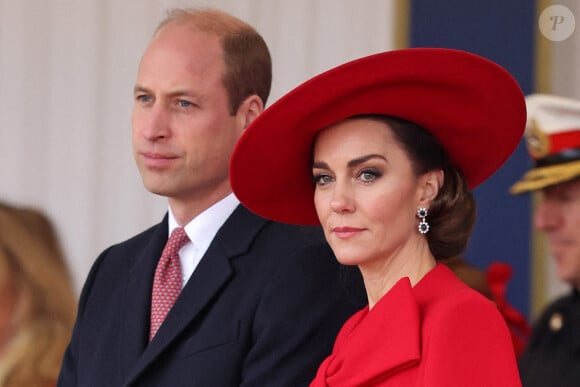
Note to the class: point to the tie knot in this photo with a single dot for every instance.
(177, 239)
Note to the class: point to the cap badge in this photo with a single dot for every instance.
(537, 141)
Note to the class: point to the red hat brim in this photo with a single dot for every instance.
(473, 106)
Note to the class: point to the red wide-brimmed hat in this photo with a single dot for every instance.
(472, 105)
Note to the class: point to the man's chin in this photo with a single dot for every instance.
(157, 188)
(566, 274)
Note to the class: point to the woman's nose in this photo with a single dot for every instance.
(342, 199)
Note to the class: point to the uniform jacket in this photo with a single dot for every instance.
(440, 333)
(261, 309)
(552, 356)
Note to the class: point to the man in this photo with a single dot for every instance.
(553, 138)
(260, 303)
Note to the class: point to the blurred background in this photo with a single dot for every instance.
(67, 70)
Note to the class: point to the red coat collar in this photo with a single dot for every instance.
(363, 353)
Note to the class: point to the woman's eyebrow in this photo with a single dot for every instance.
(351, 163)
(363, 159)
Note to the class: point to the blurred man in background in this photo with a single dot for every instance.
(552, 356)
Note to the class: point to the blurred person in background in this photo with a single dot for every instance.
(552, 355)
(37, 299)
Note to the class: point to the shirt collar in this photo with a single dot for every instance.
(202, 229)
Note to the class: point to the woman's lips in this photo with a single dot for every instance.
(346, 232)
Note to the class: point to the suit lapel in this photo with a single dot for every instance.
(210, 276)
(137, 298)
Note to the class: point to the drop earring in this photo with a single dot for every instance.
(423, 225)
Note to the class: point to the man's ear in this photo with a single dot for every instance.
(249, 109)
(431, 182)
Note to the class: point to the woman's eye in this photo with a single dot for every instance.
(321, 179)
(368, 175)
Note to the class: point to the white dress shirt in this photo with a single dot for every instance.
(201, 231)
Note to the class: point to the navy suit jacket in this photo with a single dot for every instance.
(262, 309)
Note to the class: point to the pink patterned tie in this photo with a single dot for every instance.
(168, 281)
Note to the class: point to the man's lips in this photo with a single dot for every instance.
(346, 232)
(157, 160)
(560, 241)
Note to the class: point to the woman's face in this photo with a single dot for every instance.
(366, 194)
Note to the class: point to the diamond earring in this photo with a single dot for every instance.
(423, 225)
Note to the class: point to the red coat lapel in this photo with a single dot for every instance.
(364, 354)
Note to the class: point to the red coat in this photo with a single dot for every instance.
(438, 333)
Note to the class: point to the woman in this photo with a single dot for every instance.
(393, 143)
(37, 299)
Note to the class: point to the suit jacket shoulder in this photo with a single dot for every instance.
(552, 353)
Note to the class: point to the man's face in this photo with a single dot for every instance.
(558, 216)
(183, 133)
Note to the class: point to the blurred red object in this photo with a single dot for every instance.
(498, 275)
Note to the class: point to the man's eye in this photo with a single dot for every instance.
(143, 98)
(184, 104)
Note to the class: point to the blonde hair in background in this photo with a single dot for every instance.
(33, 273)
